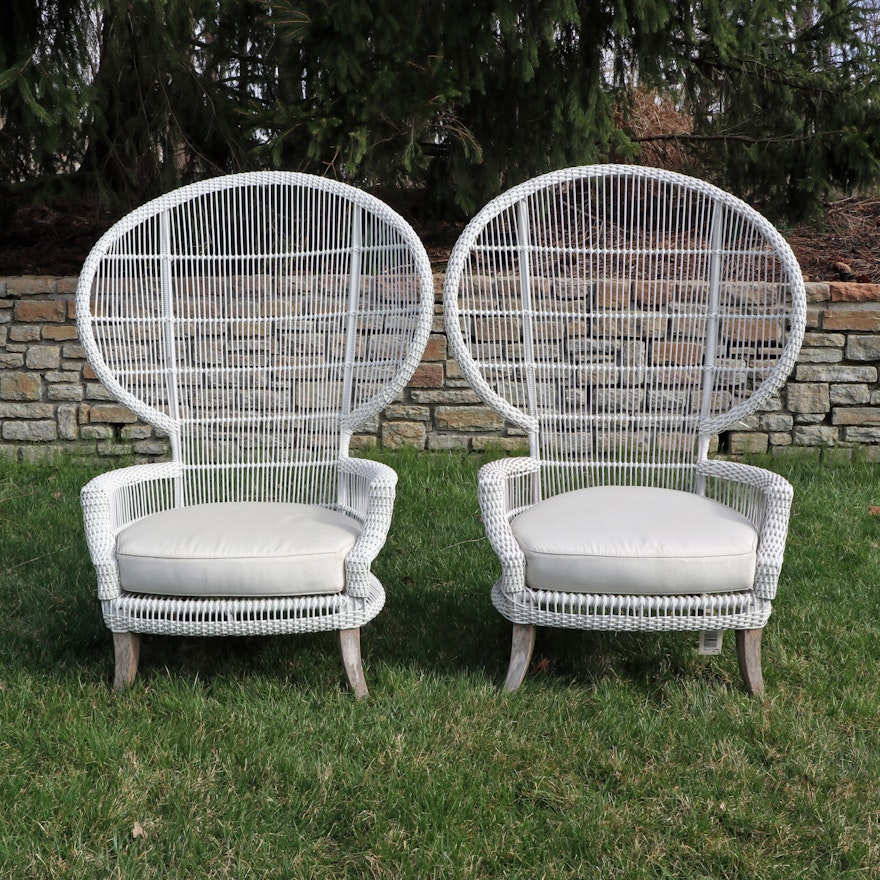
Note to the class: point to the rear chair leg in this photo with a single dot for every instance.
(350, 640)
(748, 652)
(520, 654)
(127, 648)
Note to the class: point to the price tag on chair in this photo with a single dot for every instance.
(710, 641)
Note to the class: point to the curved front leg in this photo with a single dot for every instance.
(350, 641)
(748, 653)
(521, 650)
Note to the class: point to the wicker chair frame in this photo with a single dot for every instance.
(623, 318)
(259, 320)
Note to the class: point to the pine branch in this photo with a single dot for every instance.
(736, 138)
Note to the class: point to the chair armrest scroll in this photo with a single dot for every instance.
(366, 493)
(762, 497)
(114, 500)
(507, 487)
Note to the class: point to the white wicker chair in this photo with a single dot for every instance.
(259, 320)
(623, 317)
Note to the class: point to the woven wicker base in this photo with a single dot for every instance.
(241, 617)
(632, 613)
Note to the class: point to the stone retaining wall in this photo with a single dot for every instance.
(833, 397)
(50, 399)
(51, 402)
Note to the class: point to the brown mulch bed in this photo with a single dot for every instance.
(51, 239)
(55, 240)
(845, 245)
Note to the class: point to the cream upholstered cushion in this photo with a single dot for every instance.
(635, 540)
(237, 549)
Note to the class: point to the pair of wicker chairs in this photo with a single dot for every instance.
(621, 317)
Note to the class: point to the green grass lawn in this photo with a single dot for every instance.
(623, 755)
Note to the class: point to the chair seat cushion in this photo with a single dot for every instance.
(237, 549)
(635, 540)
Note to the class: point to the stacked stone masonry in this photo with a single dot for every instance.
(51, 402)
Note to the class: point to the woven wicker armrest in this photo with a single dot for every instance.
(764, 498)
(367, 490)
(507, 487)
(116, 499)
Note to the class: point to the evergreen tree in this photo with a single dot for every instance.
(785, 97)
(458, 98)
(366, 92)
(466, 97)
(469, 97)
(172, 98)
(136, 97)
(44, 60)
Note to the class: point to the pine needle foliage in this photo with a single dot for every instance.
(784, 96)
(456, 99)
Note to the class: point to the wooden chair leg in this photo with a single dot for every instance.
(350, 640)
(748, 652)
(520, 654)
(127, 648)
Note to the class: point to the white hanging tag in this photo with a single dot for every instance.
(710, 641)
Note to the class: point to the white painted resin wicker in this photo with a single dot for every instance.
(259, 320)
(624, 317)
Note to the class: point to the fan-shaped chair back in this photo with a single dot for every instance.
(622, 316)
(258, 319)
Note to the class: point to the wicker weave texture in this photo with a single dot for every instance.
(258, 319)
(623, 317)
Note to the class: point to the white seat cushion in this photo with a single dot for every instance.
(634, 540)
(237, 549)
